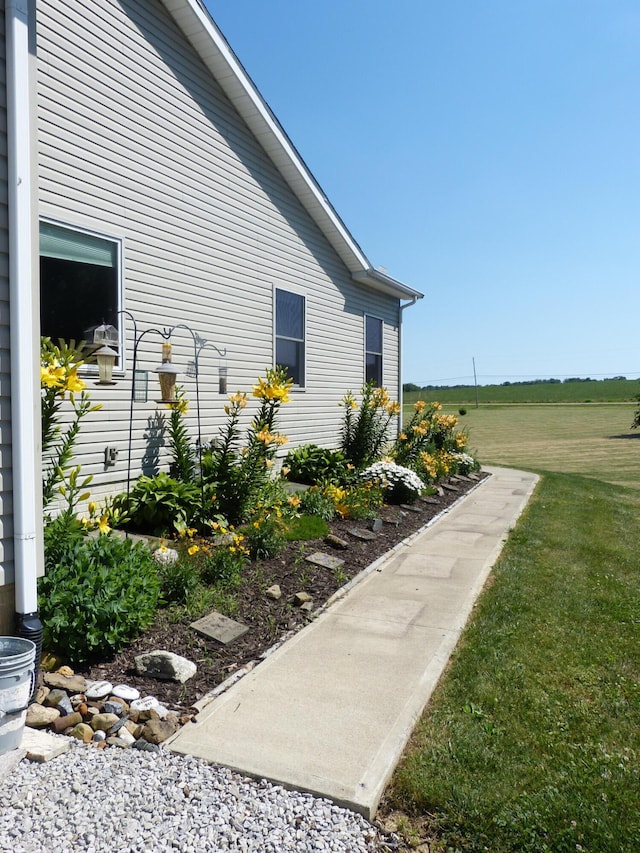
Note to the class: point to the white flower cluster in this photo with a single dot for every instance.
(389, 475)
(464, 460)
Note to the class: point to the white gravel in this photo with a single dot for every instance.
(93, 801)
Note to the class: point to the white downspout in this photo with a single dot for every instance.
(400, 318)
(24, 316)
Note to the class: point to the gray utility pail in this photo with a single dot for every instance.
(17, 674)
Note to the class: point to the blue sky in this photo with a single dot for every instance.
(485, 153)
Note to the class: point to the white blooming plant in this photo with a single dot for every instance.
(401, 485)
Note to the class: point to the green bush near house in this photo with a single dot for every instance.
(157, 503)
(310, 464)
(97, 595)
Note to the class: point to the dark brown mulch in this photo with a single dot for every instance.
(268, 620)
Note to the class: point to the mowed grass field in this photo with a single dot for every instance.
(591, 439)
(531, 741)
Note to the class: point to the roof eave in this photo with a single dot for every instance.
(384, 283)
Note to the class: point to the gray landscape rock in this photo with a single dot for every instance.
(165, 666)
(57, 699)
(113, 707)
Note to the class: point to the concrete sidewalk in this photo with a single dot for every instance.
(331, 710)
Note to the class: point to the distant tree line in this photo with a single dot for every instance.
(411, 386)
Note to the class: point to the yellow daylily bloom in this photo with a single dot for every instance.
(51, 376)
(238, 399)
(103, 525)
(265, 436)
(73, 382)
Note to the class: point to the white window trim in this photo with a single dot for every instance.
(302, 293)
(365, 350)
(92, 369)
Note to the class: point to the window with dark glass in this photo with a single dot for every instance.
(373, 350)
(79, 283)
(290, 334)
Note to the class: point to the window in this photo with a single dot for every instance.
(79, 282)
(373, 350)
(290, 334)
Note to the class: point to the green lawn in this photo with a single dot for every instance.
(532, 739)
(593, 440)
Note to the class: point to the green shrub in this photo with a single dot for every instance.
(311, 464)
(61, 534)
(315, 502)
(161, 503)
(97, 596)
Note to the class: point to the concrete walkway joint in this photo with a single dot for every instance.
(331, 710)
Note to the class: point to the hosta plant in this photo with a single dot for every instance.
(310, 464)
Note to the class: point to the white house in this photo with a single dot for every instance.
(144, 177)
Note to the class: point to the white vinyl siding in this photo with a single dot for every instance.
(6, 486)
(136, 139)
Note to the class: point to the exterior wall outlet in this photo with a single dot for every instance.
(110, 456)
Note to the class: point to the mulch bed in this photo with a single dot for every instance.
(268, 620)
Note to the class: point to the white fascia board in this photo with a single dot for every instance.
(386, 284)
(200, 29)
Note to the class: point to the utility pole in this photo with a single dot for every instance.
(475, 379)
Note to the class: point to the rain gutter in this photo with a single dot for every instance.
(24, 318)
